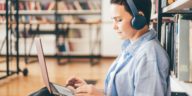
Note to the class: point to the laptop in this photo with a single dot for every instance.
(52, 87)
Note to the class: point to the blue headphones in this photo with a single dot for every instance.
(138, 21)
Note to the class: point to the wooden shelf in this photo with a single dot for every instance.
(155, 16)
(36, 12)
(28, 0)
(2, 12)
(77, 12)
(52, 12)
(178, 6)
(38, 23)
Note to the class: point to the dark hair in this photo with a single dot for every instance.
(141, 5)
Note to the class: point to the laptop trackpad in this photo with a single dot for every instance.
(63, 90)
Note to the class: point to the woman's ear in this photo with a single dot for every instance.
(141, 13)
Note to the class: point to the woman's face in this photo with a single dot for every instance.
(121, 22)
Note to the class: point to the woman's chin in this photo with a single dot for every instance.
(121, 37)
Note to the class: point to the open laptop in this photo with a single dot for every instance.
(53, 88)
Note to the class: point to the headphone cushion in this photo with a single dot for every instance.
(138, 22)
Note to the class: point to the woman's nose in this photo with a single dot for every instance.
(115, 27)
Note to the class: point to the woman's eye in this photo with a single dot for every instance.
(119, 20)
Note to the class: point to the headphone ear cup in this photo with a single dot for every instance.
(138, 22)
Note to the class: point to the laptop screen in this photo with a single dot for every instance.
(42, 63)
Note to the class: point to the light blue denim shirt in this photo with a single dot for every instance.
(141, 69)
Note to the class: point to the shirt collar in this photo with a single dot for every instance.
(131, 47)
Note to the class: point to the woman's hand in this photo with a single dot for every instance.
(75, 82)
(88, 90)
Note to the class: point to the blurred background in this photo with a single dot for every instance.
(78, 40)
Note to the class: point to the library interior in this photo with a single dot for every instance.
(97, 47)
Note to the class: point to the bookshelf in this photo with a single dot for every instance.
(5, 14)
(58, 13)
(178, 6)
(51, 12)
(173, 32)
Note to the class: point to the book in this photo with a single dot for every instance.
(38, 6)
(163, 35)
(2, 19)
(84, 5)
(89, 3)
(175, 58)
(61, 5)
(70, 6)
(97, 5)
(164, 3)
(156, 6)
(30, 5)
(190, 49)
(2, 5)
(170, 2)
(77, 5)
(75, 33)
(167, 40)
(65, 5)
(183, 50)
(152, 7)
(51, 6)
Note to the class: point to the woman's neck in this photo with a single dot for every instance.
(139, 33)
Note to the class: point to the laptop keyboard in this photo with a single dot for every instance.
(63, 90)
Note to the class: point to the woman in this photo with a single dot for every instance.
(142, 67)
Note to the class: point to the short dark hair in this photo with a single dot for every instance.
(141, 5)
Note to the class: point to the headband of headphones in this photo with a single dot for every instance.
(132, 7)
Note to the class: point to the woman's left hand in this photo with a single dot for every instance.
(88, 90)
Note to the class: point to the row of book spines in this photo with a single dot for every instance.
(164, 3)
(61, 5)
(2, 6)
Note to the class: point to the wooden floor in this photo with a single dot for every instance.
(18, 85)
